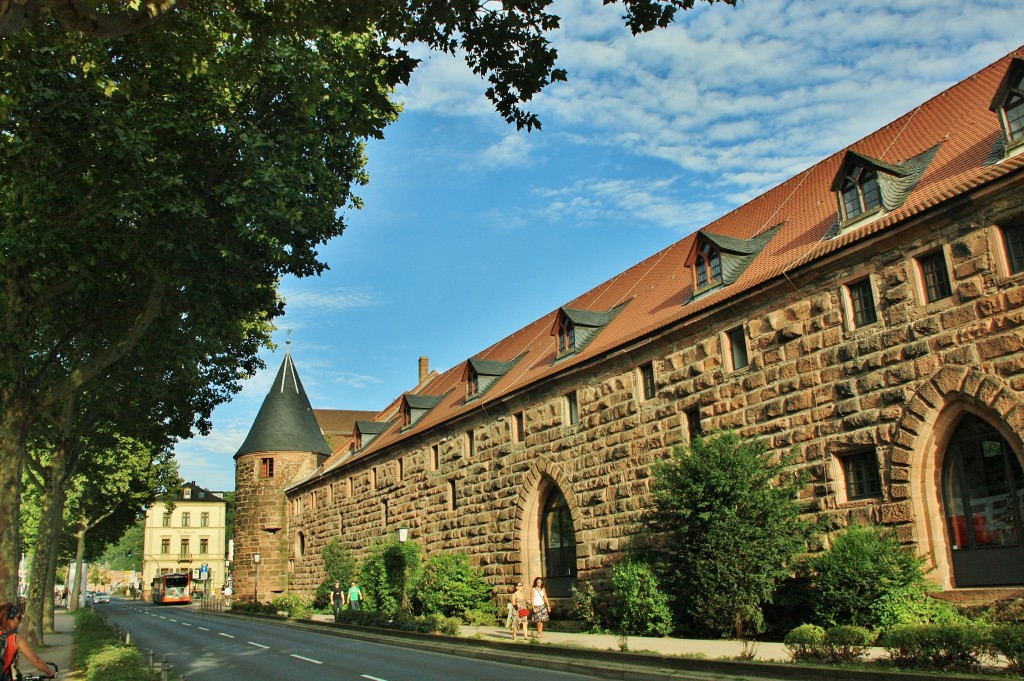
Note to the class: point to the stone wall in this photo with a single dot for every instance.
(815, 386)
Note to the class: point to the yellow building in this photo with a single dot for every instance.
(186, 532)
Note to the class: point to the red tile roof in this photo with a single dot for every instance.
(657, 289)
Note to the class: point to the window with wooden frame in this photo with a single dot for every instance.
(571, 409)
(859, 192)
(648, 388)
(204, 519)
(708, 265)
(736, 349)
(472, 383)
(165, 545)
(186, 519)
(1008, 103)
(267, 468)
(860, 301)
(566, 336)
(934, 276)
(1013, 242)
(518, 427)
(860, 478)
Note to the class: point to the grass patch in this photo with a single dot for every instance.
(100, 656)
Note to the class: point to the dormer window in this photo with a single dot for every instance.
(859, 192)
(472, 383)
(1009, 104)
(574, 329)
(709, 265)
(566, 336)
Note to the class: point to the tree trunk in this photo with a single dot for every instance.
(51, 523)
(76, 591)
(13, 429)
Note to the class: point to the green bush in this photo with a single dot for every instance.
(401, 621)
(449, 585)
(806, 642)
(641, 607)
(945, 647)
(388, 574)
(295, 606)
(913, 604)
(729, 510)
(847, 642)
(1008, 641)
(339, 566)
(591, 607)
(480, 618)
(865, 565)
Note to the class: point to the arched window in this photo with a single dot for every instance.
(709, 265)
(983, 489)
(566, 335)
(859, 192)
(558, 540)
(472, 383)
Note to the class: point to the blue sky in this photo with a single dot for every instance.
(471, 230)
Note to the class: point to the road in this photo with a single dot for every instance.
(210, 648)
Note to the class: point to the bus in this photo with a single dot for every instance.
(172, 588)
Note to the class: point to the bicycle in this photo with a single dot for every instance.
(37, 676)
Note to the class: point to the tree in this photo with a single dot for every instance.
(728, 512)
(504, 42)
(147, 215)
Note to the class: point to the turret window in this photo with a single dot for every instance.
(266, 468)
(859, 191)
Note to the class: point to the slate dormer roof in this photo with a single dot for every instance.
(192, 492)
(418, 406)
(487, 371)
(934, 154)
(285, 422)
(736, 254)
(587, 323)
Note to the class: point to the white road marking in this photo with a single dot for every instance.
(203, 629)
(258, 645)
(372, 678)
(306, 659)
(186, 624)
(221, 633)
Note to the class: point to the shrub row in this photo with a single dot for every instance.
(100, 654)
(947, 647)
(401, 621)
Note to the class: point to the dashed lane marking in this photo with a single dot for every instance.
(306, 659)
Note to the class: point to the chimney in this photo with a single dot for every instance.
(424, 368)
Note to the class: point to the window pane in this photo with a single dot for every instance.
(851, 199)
(738, 347)
(647, 377)
(702, 273)
(862, 299)
(869, 188)
(862, 478)
(936, 277)
(1014, 237)
(716, 266)
(1015, 115)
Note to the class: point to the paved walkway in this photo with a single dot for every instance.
(59, 645)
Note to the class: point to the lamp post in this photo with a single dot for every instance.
(256, 579)
(402, 534)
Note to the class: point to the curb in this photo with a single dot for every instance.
(606, 664)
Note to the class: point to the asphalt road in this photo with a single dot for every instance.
(203, 648)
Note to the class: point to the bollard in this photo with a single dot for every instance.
(127, 636)
(165, 673)
(150, 653)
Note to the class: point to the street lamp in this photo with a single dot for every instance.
(256, 579)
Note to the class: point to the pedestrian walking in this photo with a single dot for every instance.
(541, 606)
(355, 596)
(337, 598)
(520, 613)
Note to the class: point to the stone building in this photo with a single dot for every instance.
(865, 314)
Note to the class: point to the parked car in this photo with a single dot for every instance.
(101, 597)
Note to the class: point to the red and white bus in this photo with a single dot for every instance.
(173, 588)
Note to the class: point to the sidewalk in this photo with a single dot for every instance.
(59, 644)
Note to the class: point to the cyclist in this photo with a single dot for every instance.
(10, 618)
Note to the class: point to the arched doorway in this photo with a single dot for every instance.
(558, 545)
(983, 488)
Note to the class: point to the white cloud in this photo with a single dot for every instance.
(512, 150)
(305, 301)
(354, 380)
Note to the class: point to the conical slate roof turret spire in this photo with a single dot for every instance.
(285, 422)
